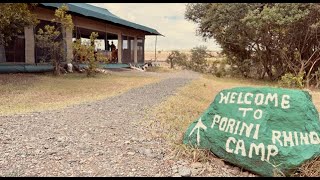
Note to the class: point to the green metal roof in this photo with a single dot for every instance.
(103, 14)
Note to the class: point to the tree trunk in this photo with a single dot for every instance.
(262, 74)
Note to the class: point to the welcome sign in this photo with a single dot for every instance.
(265, 130)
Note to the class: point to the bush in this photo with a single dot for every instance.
(86, 54)
(212, 68)
(198, 61)
(177, 58)
(218, 68)
(102, 58)
(291, 81)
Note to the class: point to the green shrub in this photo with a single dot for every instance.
(198, 61)
(177, 58)
(291, 81)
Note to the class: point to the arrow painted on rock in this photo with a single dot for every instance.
(198, 126)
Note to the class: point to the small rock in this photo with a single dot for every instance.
(29, 147)
(196, 165)
(175, 171)
(148, 152)
(99, 154)
(131, 153)
(72, 161)
(195, 172)
(52, 152)
(219, 162)
(235, 170)
(184, 171)
(82, 161)
(37, 151)
(184, 163)
(176, 175)
(245, 174)
(160, 156)
(60, 139)
(209, 169)
(133, 170)
(58, 158)
(127, 142)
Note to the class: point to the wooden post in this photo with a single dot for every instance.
(135, 50)
(119, 48)
(29, 45)
(155, 49)
(69, 45)
(105, 42)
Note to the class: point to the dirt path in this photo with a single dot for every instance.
(94, 139)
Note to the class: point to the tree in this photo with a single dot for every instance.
(176, 57)
(198, 60)
(13, 18)
(92, 58)
(270, 38)
(85, 53)
(49, 40)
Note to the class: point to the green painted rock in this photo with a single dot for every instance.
(266, 130)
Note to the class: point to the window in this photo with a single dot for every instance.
(127, 49)
(14, 51)
(140, 50)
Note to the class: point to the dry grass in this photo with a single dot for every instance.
(309, 169)
(22, 93)
(178, 112)
(162, 56)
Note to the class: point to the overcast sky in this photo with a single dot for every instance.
(166, 18)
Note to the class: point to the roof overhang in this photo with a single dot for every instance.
(101, 14)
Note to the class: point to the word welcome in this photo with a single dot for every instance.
(255, 99)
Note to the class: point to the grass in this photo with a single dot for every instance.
(309, 169)
(23, 93)
(178, 112)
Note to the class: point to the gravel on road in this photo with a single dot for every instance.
(101, 138)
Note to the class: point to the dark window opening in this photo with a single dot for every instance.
(140, 50)
(14, 51)
(127, 49)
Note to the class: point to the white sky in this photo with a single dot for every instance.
(166, 18)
